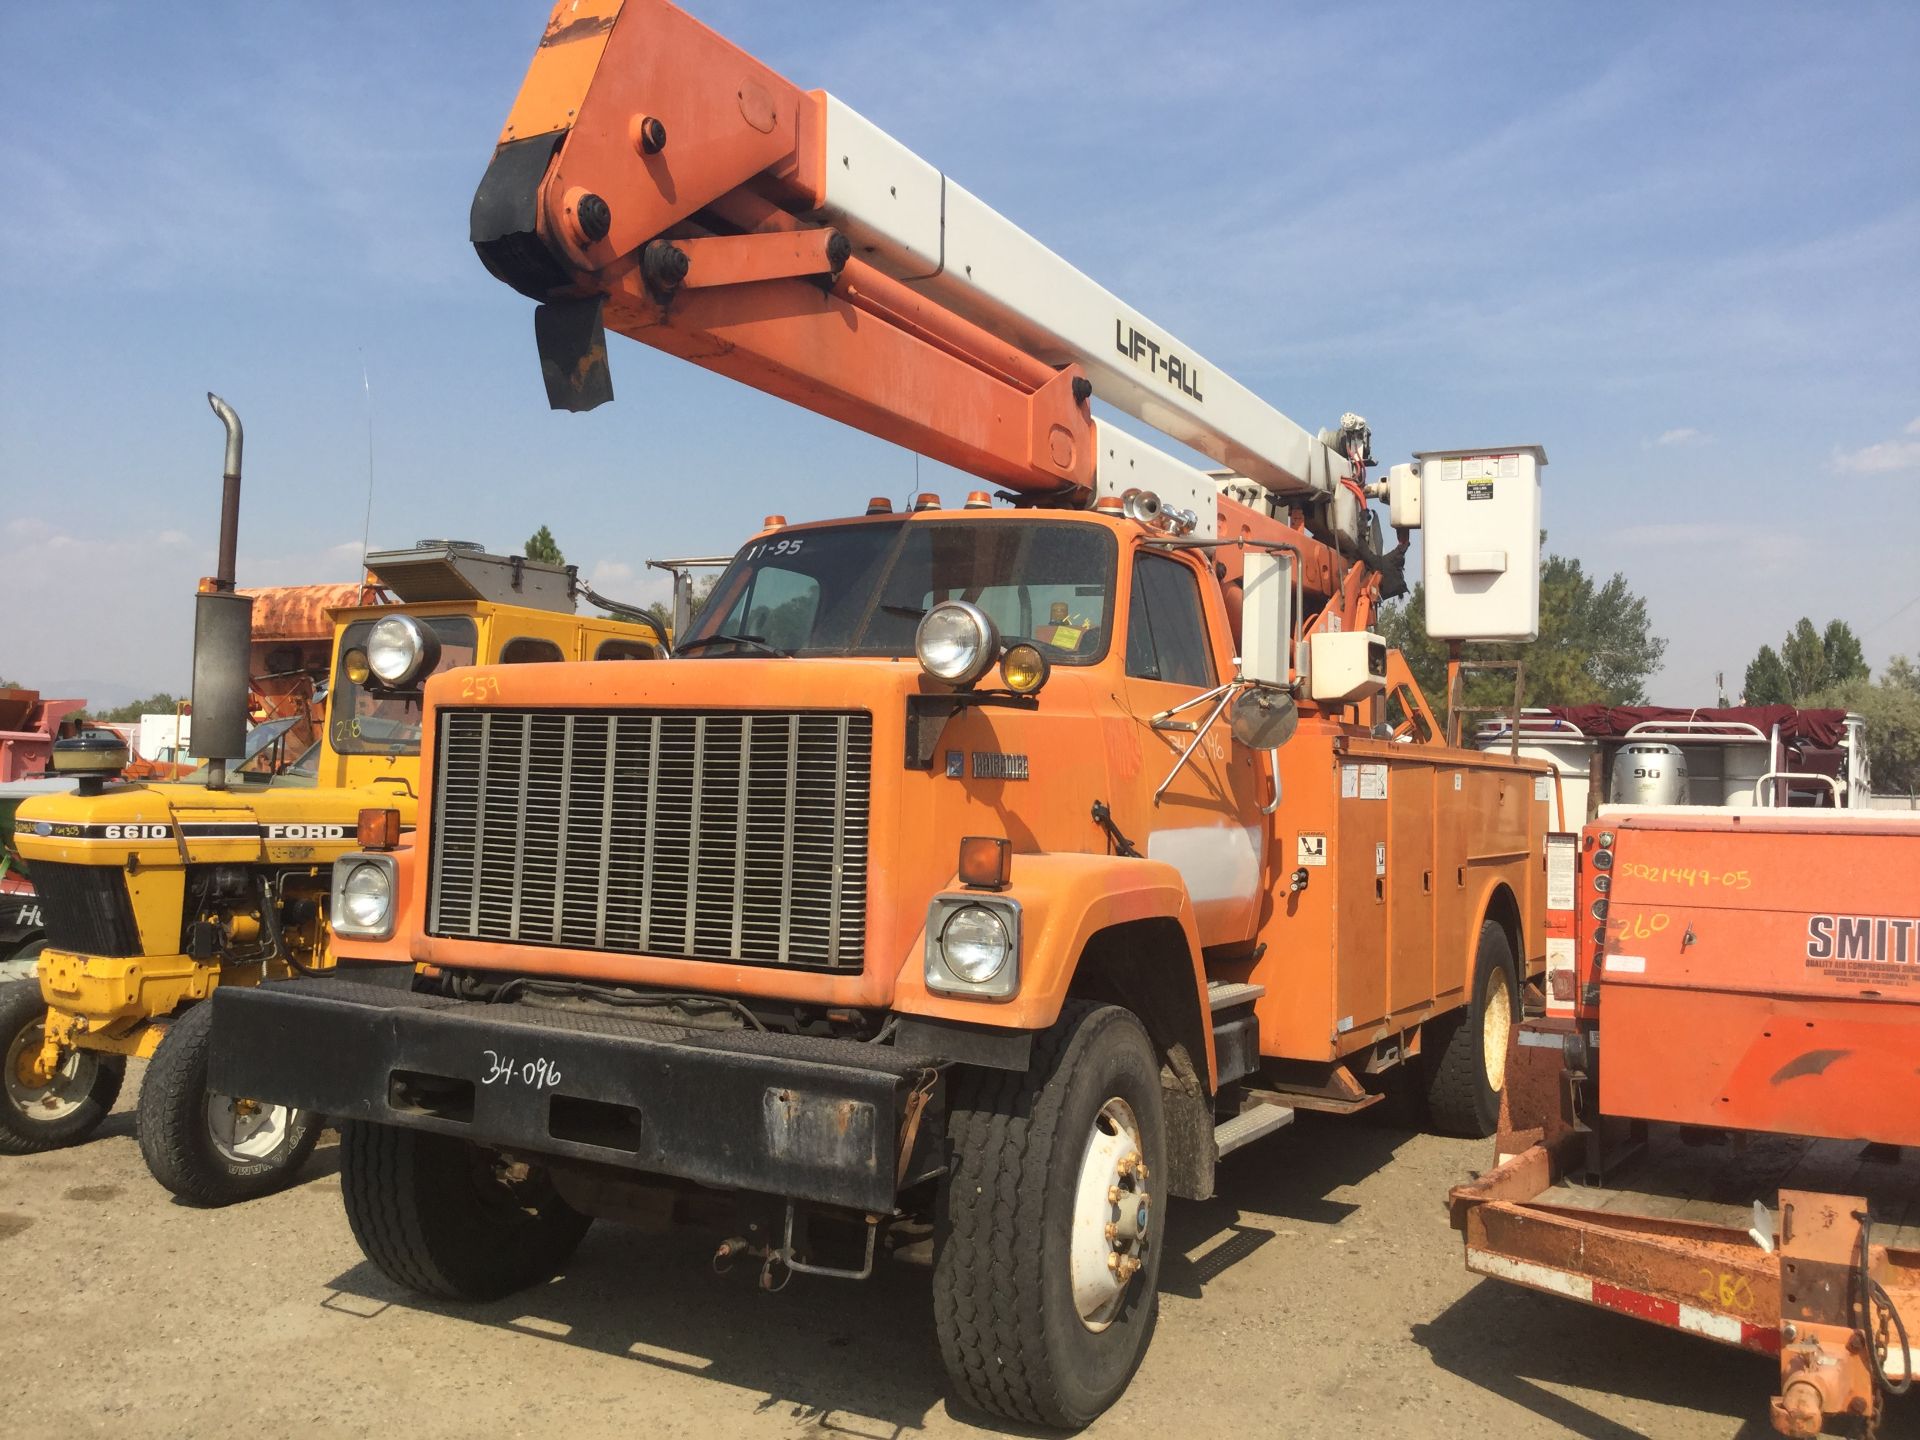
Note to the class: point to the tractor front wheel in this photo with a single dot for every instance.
(44, 1108)
(210, 1148)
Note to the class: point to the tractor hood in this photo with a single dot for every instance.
(180, 823)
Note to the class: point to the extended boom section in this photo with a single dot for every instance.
(654, 178)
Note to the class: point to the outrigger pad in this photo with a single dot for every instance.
(573, 353)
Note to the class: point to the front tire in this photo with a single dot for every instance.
(40, 1111)
(1470, 1069)
(210, 1148)
(450, 1219)
(1049, 1223)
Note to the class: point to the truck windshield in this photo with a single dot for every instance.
(861, 589)
(378, 722)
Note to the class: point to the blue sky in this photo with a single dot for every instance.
(1676, 245)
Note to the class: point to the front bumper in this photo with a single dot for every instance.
(792, 1116)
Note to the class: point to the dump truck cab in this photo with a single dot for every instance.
(154, 894)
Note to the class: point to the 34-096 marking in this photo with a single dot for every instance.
(539, 1073)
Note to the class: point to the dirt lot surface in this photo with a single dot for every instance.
(1320, 1295)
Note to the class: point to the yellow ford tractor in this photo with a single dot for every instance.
(152, 895)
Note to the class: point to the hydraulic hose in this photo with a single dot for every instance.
(1872, 1294)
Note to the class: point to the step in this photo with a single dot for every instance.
(1222, 994)
(1249, 1125)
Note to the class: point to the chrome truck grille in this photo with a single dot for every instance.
(707, 835)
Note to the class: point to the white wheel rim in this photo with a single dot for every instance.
(46, 1101)
(1496, 1028)
(245, 1131)
(1112, 1215)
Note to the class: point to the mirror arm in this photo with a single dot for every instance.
(1225, 693)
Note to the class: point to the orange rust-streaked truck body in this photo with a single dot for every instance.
(1401, 869)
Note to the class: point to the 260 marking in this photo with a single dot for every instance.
(1729, 1292)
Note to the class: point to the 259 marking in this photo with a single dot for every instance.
(536, 1074)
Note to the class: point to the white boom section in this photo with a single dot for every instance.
(909, 220)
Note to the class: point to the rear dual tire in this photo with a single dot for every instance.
(1469, 1069)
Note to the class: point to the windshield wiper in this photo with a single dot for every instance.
(758, 642)
(914, 610)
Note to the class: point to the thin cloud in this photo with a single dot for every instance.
(1685, 435)
(1887, 457)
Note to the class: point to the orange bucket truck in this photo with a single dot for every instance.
(1001, 862)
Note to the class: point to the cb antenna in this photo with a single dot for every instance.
(366, 531)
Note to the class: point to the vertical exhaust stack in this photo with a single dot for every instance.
(222, 632)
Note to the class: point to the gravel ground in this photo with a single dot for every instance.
(1321, 1294)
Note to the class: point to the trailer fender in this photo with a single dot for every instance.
(1083, 919)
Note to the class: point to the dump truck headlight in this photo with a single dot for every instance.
(973, 946)
(400, 650)
(363, 891)
(956, 642)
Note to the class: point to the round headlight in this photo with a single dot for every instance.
(367, 896)
(400, 649)
(1023, 668)
(354, 662)
(956, 642)
(974, 944)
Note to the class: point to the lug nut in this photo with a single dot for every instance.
(1113, 1262)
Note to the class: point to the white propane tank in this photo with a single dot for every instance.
(1740, 777)
(1649, 772)
(1571, 758)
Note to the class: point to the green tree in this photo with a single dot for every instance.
(1595, 645)
(158, 703)
(1891, 708)
(1808, 663)
(1845, 659)
(543, 547)
(1767, 682)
